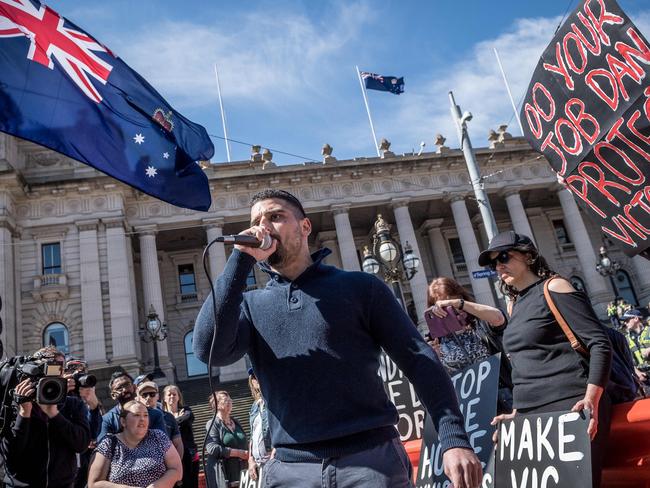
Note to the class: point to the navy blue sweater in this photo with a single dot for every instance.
(314, 344)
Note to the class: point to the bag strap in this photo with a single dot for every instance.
(576, 345)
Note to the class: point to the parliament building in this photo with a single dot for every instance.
(84, 258)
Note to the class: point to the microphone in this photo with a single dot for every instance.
(246, 240)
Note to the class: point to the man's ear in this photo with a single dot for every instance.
(306, 226)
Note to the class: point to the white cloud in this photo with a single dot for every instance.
(259, 55)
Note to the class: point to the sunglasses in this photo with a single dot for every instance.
(148, 394)
(503, 257)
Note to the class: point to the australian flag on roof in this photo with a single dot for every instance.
(391, 84)
(62, 89)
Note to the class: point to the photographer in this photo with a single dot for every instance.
(84, 388)
(42, 446)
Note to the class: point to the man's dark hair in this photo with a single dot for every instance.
(116, 375)
(282, 195)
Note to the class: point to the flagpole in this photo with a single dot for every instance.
(223, 114)
(365, 99)
(505, 81)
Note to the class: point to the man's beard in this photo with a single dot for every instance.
(278, 257)
(126, 396)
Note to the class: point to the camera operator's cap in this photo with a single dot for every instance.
(503, 242)
(630, 314)
(141, 378)
(147, 385)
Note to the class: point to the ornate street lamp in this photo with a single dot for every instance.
(386, 256)
(608, 267)
(154, 331)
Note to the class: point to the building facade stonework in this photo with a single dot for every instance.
(84, 257)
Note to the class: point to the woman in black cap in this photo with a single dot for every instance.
(547, 373)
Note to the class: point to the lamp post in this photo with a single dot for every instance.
(387, 256)
(154, 331)
(608, 267)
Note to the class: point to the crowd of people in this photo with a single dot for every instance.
(313, 336)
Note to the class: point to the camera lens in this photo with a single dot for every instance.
(87, 381)
(51, 390)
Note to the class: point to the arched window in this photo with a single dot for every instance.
(625, 288)
(578, 284)
(194, 366)
(56, 334)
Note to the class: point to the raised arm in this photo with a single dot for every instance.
(232, 323)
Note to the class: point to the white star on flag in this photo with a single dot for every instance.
(151, 171)
(166, 155)
(139, 138)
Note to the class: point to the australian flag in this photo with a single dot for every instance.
(383, 83)
(62, 89)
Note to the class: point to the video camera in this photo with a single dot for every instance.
(81, 378)
(45, 374)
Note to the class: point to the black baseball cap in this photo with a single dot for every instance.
(503, 242)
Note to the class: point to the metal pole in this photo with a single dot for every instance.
(157, 372)
(505, 81)
(365, 99)
(397, 291)
(613, 283)
(223, 113)
(474, 173)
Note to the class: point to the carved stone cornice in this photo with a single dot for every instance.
(342, 208)
(90, 224)
(213, 222)
(430, 224)
(146, 230)
(399, 202)
(456, 197)
(509, 191)
(114, 222)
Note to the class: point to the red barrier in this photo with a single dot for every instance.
(627, 458)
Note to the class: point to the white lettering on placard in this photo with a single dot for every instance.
(526, 441)
(548, 472)
(393, 394)
(507, 438)
(542, 440)
(567, 438)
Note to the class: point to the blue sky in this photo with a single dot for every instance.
(287, 67)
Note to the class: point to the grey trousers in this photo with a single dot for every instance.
(384, 466)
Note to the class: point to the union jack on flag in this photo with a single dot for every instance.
(391, 84)
(61, 88)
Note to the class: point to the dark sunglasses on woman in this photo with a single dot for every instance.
(503, 257)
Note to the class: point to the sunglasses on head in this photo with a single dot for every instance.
(503, 257)
(148, 394)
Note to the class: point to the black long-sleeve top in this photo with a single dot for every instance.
(545, 368)
(42, 451)
(315, 343)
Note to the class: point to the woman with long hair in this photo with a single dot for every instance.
(136, 456)
(172, 400)
(226, 444)
(260, 443)
(479, 339)
(547, 373)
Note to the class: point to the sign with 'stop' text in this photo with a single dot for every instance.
(476, 388)
(544, 451)
(587, 109)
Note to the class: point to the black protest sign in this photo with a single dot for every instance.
(476, 388)
(587, 109)
(402, 394)
(544, 450)
(245, 480)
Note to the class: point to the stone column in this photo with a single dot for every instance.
(124, 316)
(151, 287)
(482, 286)
(8, 314)
(441, 257)
(407, 234)
(92, 313)
(642, 270)
(349, 257)
(217, 253)
(328, 239)
(598, 289)
(517, 213)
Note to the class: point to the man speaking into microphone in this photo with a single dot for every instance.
(314, 335)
